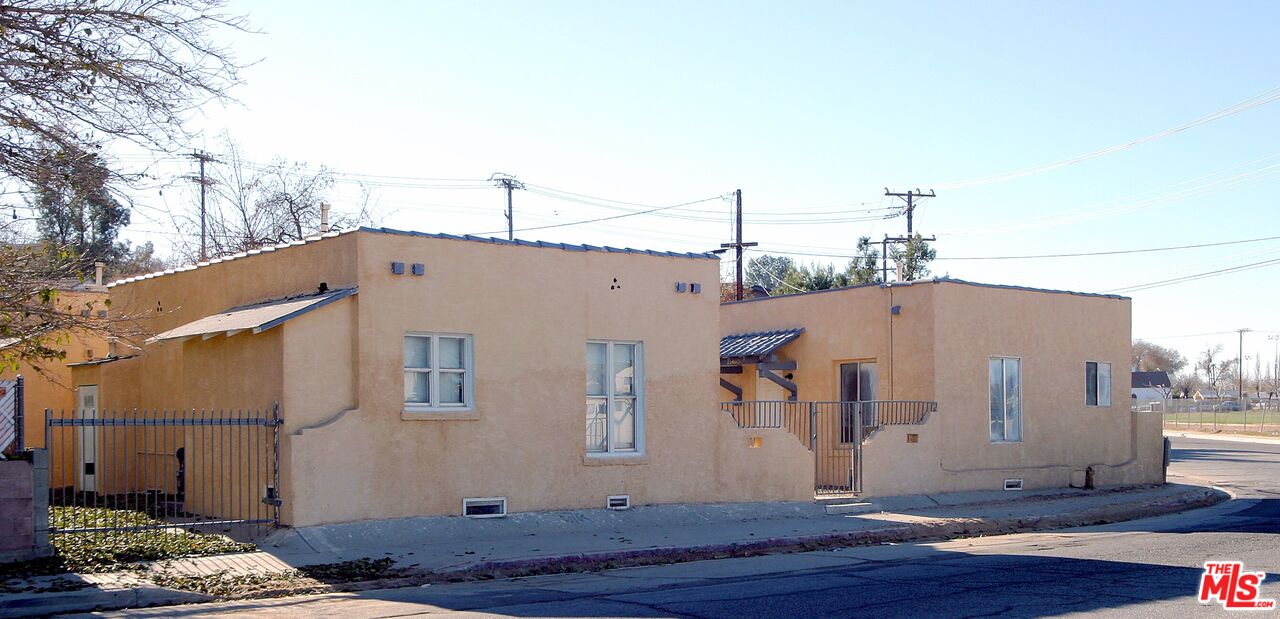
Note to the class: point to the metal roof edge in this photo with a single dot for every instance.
(938, 280)
(540, 244)
(965, 282)
(341, 294)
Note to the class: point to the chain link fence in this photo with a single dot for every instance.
(1229, 415)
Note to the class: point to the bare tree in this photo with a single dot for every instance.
(74, 76)
(36, 317)
(79, 73)
(255, 205)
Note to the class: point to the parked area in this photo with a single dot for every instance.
(377, 374)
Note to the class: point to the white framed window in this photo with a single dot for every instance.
(438, 372)
(1097, 384)
(615, 397)
(1004, 378)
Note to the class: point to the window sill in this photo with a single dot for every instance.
(615, 459)
(409, 414)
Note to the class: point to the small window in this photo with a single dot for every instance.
(437, 372)
(1097, 384)
(1005, 382)
(615, 397)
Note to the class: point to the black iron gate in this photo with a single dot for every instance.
(139, 471)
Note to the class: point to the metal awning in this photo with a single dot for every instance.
(755, 346)
(255, 318)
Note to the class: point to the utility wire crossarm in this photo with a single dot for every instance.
(738, 245)
(510, 183)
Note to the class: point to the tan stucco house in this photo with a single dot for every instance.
(1020, 379)
(424, 374)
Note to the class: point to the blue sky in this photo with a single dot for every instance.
(812, 109)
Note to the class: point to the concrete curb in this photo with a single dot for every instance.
(89, 600)
(938, 530)
(927, 529)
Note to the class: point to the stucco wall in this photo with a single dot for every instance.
(1054, 334)
(937, 348)
(530, 312)
(219, 376)
(349, 452)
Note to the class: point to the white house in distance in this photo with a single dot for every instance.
(1151, 387)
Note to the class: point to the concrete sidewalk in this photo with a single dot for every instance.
(459, 547)
(1223, 436)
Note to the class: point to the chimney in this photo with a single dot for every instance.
(97, 272)
(324, 217)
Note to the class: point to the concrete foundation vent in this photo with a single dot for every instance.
(1013, 484)
(618, 502)
(486, 507)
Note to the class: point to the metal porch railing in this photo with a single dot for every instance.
(834, 431)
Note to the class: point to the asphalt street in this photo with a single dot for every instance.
(1147, 568)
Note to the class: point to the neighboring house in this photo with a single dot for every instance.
(1151, 387)
(49, 386)
(415, 372)
(1022, 380)
(1213, 394)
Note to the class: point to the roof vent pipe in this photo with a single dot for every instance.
(324, 218)
(97, 272)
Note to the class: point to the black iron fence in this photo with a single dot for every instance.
(160, 472)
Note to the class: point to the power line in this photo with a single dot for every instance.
(578, 200)
(1040, 256)
(1248, 104)
(609, 218)
(1195, 276)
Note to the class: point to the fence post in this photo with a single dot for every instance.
(813, 428)
(19, 419)
(40, 500)
(276, 423)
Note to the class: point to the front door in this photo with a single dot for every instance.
(87, 437)
(857, 384)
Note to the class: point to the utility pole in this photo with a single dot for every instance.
(738, 245)
(884, 251)
(203, 158)
(510, 182)
(1240, 367)
(910, 197)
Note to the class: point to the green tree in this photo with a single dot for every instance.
(912, 260)
(865, 268)
(817, 277)
(768, 271)
(76, 212)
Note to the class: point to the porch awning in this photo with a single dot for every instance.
(755, 346)
(255, 318)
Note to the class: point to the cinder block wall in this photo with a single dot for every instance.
(24, 506)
